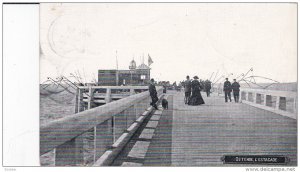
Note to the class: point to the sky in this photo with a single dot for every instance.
(209, 40)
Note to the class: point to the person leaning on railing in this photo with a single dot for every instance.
(153, 93)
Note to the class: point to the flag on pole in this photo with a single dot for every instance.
(150, 61)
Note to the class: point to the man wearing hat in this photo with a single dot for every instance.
(227, 90)
(187, 89)
(236, 90)
(153, 93)
(207, 87)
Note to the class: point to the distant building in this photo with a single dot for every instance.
(134, 76)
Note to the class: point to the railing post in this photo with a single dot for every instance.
(76, 100)
(80, 100)
(108, 95)
(119, 125)
(131, 91)
(131, 117)
(257, 99)
(277, 102)
(95, 144)
(135, 109)
(254, 97)
(139, 108)
(246, 95)
(90, 97)
(70, 153)
(265, 100)
(102, 138)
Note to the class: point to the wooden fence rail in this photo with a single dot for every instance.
(281, 102)
(88, 97)
(107, 122)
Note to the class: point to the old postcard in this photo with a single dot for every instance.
(168, 84)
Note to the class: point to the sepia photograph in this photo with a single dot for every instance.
(174, 84)
(168, 84)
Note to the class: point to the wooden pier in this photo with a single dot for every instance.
(264, 122)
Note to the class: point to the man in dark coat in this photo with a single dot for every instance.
(153, 93)
(227, 90)
(187, 89)
(236, 90)
(207, 87)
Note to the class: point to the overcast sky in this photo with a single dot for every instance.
(182, 39)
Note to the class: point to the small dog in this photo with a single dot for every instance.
(165, 103)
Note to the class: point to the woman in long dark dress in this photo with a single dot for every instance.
(196, 98)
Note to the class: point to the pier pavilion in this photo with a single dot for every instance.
(135, 75)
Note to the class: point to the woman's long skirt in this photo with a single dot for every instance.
(196, 98)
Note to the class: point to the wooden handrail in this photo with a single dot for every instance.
(271, 92)
(62, 130)
(263, 99)
(114, 87)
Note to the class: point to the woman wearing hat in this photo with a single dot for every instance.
(196, 98)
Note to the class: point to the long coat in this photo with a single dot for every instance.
(187, 86)
(235, 87)
(207, 85)
(196, 98)
(153, 93)
(227, 86)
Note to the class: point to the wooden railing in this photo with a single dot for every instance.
(106, 123)
(88, 97)
(281, 102)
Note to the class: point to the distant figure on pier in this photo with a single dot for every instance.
(196, 98)
(207, 87)
(164, 88)
(236, 90)
(187, 89)
(153, 94)
(178, 88)
(227, 90)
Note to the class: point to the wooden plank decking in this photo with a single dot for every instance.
(201, 135)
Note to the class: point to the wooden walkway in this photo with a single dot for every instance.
(201, 135)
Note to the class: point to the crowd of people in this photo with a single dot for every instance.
(193, 95)
(192, 91)
(193, 88)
